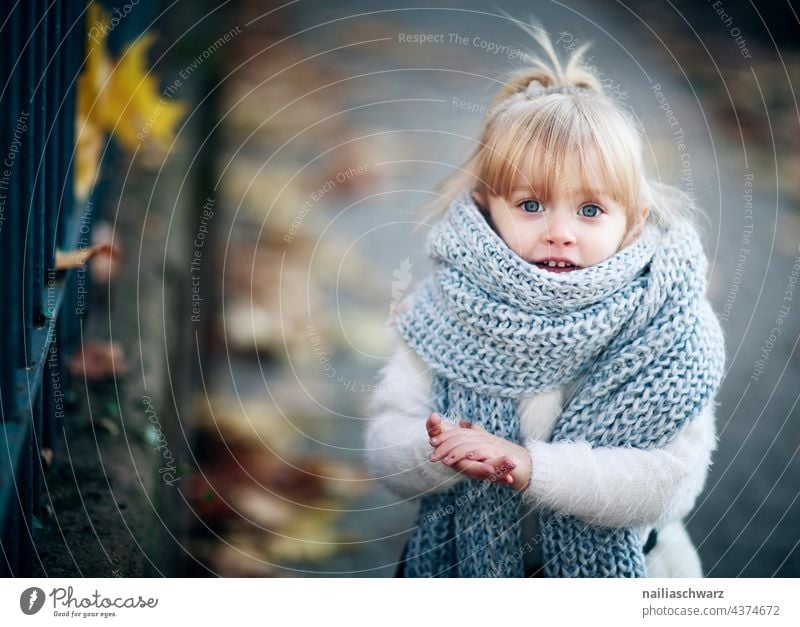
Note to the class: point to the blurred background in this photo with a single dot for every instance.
(209, 208)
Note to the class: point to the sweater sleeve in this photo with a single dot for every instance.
(623, 487)
(396, 443)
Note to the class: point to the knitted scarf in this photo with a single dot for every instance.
(635, 332)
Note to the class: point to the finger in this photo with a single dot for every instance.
(434, 424)
(488, 453)
(507, 464)
(448, 426)
(503, 479)
(441, 451)
(495, 477)
(466, 424)
(444, 449)
(473, 469)
(467, 450)
(453, 432)
(502, 465)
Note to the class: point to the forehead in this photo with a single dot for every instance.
(574, 173)
(557, 150)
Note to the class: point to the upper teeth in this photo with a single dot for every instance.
(560, 264)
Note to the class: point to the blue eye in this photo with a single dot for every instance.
(590, 211)
(531, 206)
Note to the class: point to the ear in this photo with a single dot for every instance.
(479, 198)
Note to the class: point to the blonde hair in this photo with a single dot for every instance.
(556, 112)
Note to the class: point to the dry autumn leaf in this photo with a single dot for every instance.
(312, 539)
(97, 361)
(119, 97)
(89, 144)
(261, 507)
(237, 560)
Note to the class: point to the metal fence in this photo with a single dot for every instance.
(42, 44)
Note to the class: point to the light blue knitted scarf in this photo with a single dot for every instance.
(635, 332)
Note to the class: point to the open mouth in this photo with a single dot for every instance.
(556, 266)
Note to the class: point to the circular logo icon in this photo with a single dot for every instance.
(31, 600)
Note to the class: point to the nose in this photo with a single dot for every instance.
(560, 229)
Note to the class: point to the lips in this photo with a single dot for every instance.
(556, 264)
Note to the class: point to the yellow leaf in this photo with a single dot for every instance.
(120, 97)
(136, 111)
(90, 140)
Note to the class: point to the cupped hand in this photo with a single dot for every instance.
(484, 465)
(470, 449)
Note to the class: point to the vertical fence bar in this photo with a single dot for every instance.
(74, 18)
(15, 216)
(19, 183)
(12, 540)
(55, 120)
(67, 74)
(54, 402)
(61, 152)
(46, 173)
(10, 251)
(5, 569)
(66, 207)
(26, 476)
(7, 344)
(33, 412)
(39, 41)
(28, 61)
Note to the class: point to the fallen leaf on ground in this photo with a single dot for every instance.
(313, 539)
(97, 361)
(109, 426)
(262, 507)
(47, 456)
(238, 561)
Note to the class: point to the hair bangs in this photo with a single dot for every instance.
(536, 147)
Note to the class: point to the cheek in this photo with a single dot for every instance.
(500, 221)
(623, 231)
(516, 233)
(616, 235)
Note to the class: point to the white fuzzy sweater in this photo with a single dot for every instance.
(607, 486)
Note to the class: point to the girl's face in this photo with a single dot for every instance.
(561, 230)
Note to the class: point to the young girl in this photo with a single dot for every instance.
(550, 400)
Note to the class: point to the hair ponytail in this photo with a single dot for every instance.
(542, 78)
